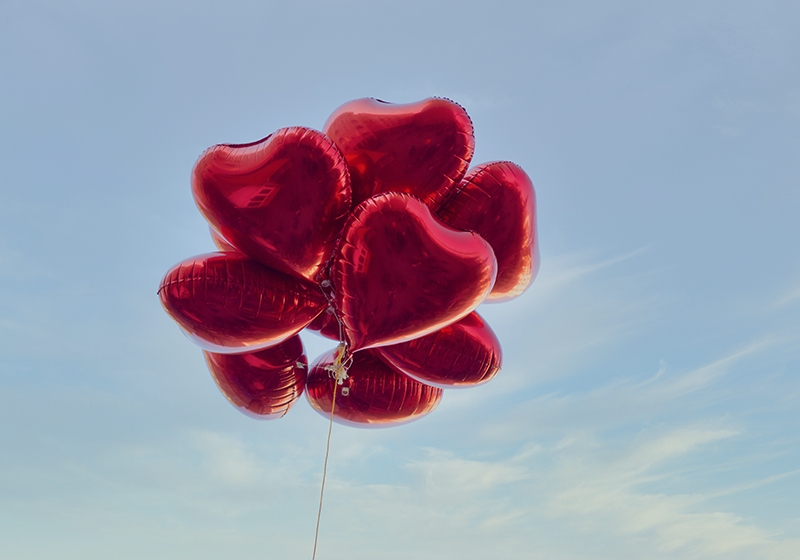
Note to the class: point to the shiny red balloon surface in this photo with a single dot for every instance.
(263, 384)
(497, 201)
(400, 273)
(229, 303)
(325, 325)
(372, 232)
(463, 354)
(221, 243)
(376, 395)
(421, 148)
(282, 200)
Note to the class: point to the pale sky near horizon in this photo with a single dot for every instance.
(648, 404)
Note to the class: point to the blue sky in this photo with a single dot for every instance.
(648, 404)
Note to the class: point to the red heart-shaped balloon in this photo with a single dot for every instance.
(374, 395)
(229, 303)
(497, 200)
(421, 148)
(400, 273)
(282, 200)
(463, 354)
(263, 384)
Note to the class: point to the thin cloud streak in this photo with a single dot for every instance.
(620, 401)
(790, 297)
(595, 491)
(599, 482)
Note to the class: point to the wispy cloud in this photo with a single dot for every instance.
(599, 492)
(227, 460)
(622, 469)
(594, 490)
(617, 402)
(634, 468)
(560, 272)
(579, 306)
(790, 297)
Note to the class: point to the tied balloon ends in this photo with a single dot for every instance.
(373, 232)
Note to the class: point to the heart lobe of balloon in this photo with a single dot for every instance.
(282, 200)
(400, 273)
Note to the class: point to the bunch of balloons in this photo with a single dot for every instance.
(372, 232)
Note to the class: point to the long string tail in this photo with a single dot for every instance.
(324, 471)
(339, 373)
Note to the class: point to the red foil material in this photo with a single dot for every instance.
(421, 148)
(464, 354)
(264, 384)
(282, 200)
(400, 273)
(325, 325)
(497, 201)
(221, 243)
(374, 395)
(228, 303)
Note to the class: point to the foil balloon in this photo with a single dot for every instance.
(264, 384)
(399, 273)
(497, 201)
(326, 325)
(374, 395)
(463, 354)
(372, 233)
(221, 243)
(282, 200)
(228, 303)
(421, 148)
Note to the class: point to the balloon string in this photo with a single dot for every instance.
(337, 370)
(339, 373)
(327, 285)
(324, 470)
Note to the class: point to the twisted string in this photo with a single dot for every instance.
(338, 371)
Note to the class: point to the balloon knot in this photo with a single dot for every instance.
(338, 369)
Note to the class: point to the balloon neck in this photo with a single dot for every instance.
(341, 363)
(327, 290)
